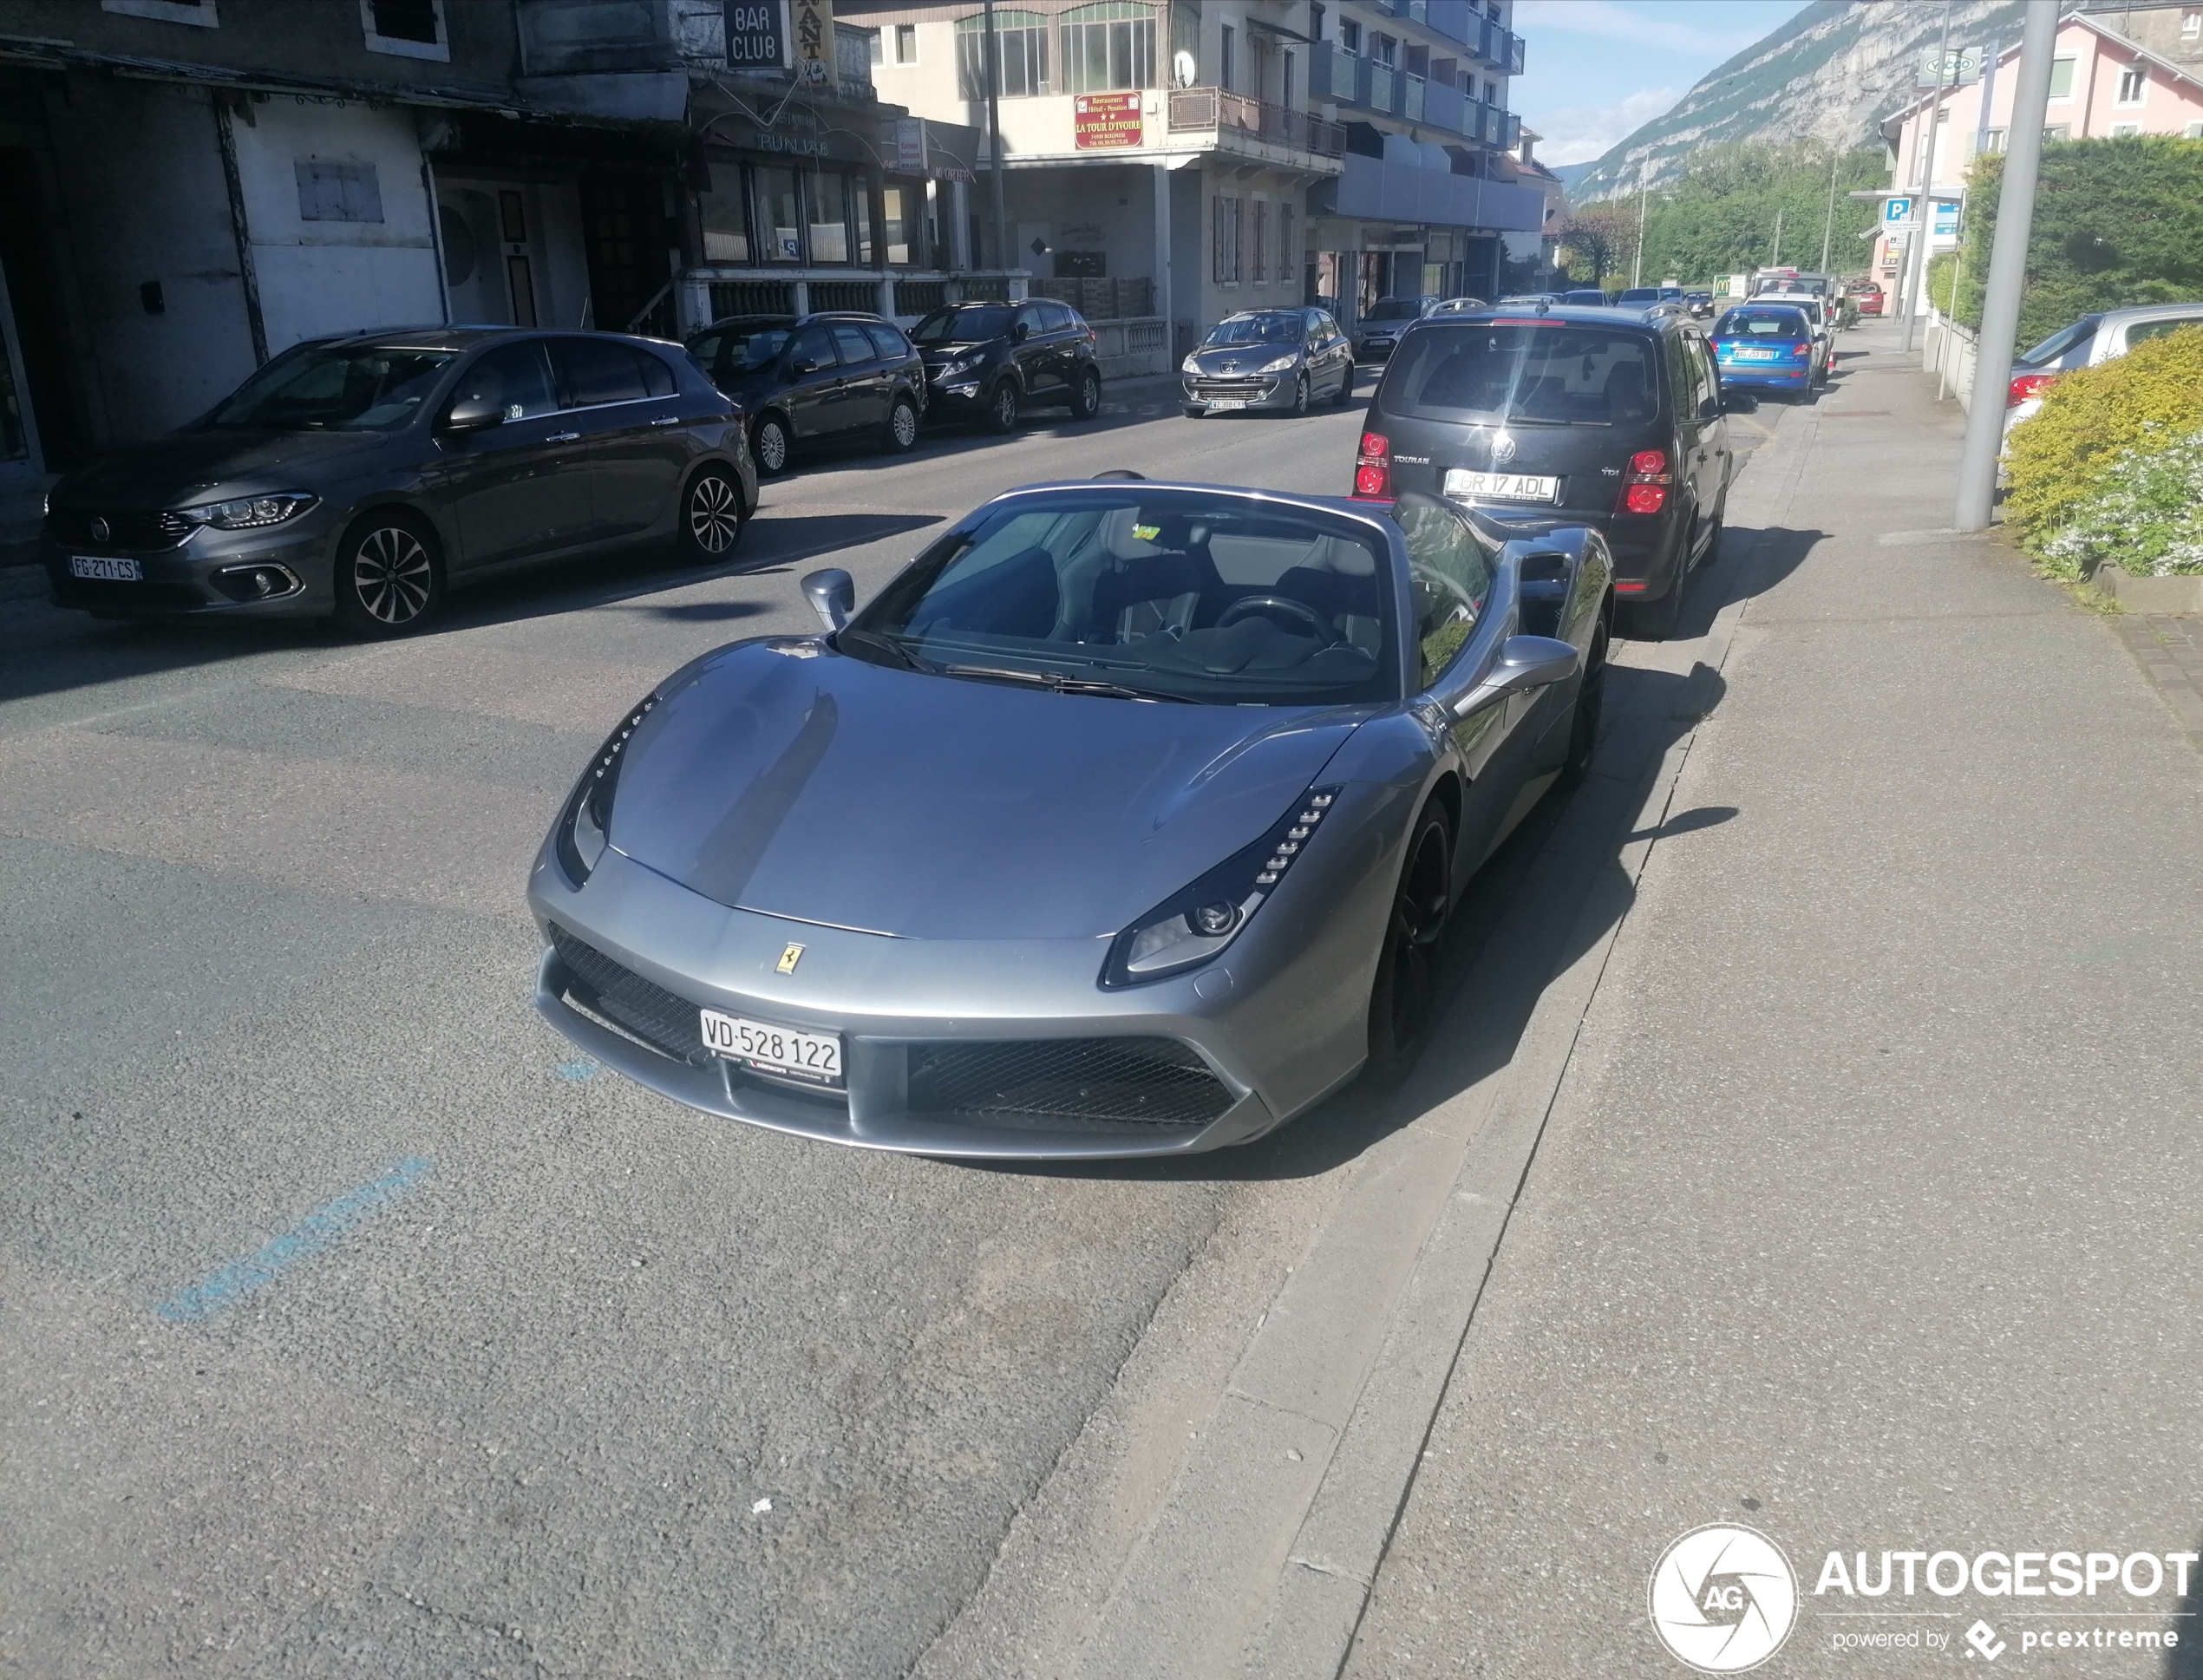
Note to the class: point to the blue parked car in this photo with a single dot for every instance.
(1765, 346)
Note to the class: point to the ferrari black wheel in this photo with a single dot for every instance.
(1591, 703)
(1402, 1001)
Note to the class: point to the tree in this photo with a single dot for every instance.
(2116, 222)
(1599, 241)
(1718, 218)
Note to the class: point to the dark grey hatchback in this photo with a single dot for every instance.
(365, 477)
(1603, 417)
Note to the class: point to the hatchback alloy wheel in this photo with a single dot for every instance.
(771, 444)
(1300, 394)
(714, 519)
(387, 581)
(902, 426)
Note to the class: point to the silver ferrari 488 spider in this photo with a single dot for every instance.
(1124, 820)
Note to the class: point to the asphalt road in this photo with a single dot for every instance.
(511, 1394)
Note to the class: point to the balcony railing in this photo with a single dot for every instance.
(1384, 90)
(1196, 110)
(1412, 105)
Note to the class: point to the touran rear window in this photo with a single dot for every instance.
(1541, 373)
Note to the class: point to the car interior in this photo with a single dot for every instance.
(1207, 592)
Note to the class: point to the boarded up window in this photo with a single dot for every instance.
(338, 191)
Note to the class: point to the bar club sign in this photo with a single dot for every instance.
(1102, 122)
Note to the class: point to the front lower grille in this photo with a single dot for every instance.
(645, 1010)
(1221, 385)
(1085, 1081)
(144, 532)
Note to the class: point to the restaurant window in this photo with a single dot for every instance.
(829, 216)
(906, 43)
(902, 226)
(1108, 45)
(1023, 38)
(723, 210)
(780, 215)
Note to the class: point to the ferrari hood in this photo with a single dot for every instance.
(831, 790)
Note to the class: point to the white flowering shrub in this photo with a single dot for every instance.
(2146, 517)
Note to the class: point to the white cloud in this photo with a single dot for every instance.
(1607, 20)
(1577, 133)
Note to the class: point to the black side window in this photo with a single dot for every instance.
(595, 371)
(813, 347)
(1059, 319)
(657, 378)
(705, 349)
(514, 377)
(849, 339)
(1030, 319)
(890, 343)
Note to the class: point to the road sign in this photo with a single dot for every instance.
(1897, 210)
(1946, 220)
(1948, 69)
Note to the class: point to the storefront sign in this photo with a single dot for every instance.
(1102, 122)
(793, 146)
(813, 22)
(910, 145)
(757, 35)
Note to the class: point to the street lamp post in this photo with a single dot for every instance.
(1992, 363)
(1923, 210)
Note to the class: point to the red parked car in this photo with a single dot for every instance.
(1867, 296)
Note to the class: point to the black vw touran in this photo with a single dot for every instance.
(1606, 418)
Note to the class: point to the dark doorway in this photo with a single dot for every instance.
(33, 258)
(630, 238)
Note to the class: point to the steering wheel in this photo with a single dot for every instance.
(1282, 603)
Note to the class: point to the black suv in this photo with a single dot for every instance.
(1563, 416)
(839, 376)
(987, 360)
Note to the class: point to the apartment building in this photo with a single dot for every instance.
(2105, 84)
(1230, 155)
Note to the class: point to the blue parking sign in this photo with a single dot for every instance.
(1897, 210)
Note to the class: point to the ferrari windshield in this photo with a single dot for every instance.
(366, 388)
(1269, 326)
(1176, 595)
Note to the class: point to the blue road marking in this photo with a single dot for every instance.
(577, 1071)
(310, 1235)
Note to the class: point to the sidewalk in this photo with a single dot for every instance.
(1869, 1211)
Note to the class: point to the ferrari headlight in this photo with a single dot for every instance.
(1281, 365)
(585, 827)
(249, 513)
(1192, 927)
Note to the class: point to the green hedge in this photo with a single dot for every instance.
(2116, 222)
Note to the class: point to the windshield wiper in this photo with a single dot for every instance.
(889, 645)
(1063, 685)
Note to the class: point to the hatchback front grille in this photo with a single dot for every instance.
(1224, 385)
(1086, 1081)
(140, 530)
(643, 1009)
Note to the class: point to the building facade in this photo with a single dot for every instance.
(188, 187)
(1202, 159)
(2105, 84)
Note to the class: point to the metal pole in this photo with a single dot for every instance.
(1829, 224)
(1775, 257)
(1923, 210)
(994, 136)
(1992, 364)
(1950, 311)
(1643, 182)
(1988, 96)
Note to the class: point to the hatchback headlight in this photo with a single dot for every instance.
(585, 827)
(1191, 364)
(1280, 365)
(249, 513)
(1195, 924)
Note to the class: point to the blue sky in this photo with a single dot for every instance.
(1596, 69)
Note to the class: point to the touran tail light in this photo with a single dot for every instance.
(1644, 489)
(2025, 386)
(1373, 469)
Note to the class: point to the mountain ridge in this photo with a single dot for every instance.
(1828, 74)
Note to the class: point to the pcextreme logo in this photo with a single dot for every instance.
(1723, 1598)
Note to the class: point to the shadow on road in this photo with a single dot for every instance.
(77, 651)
